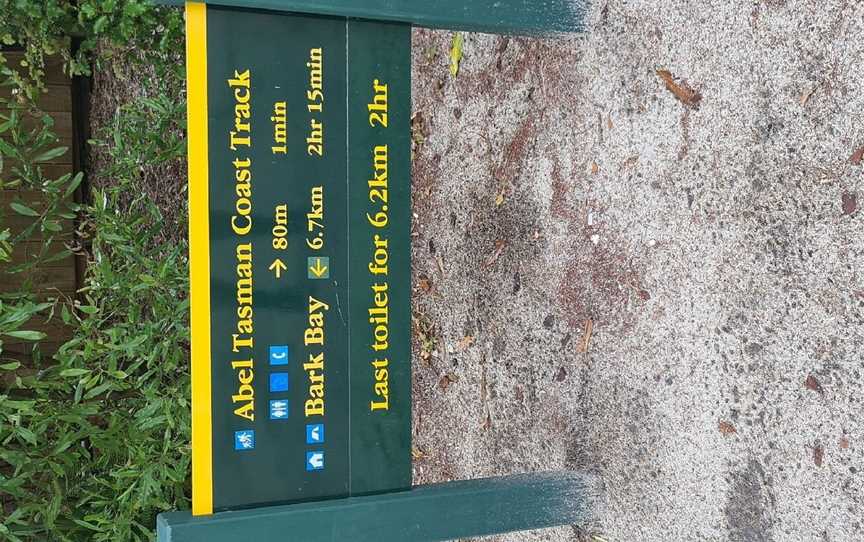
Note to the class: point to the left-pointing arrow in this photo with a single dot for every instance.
(277, 267)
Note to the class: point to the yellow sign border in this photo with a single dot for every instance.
(199, 257)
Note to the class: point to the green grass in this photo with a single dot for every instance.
(94, 441)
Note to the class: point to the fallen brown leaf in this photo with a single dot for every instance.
(682, 91)
(418, 122)
(812, 384)
(850, 203)
(483, 385)
(726, 428)
(807, 94)
(425, 284)
(844, 443)
(417, 453)
(496, 252)
(466, 341)
(857, 157)
(630, 162)
(818, 454)
(446, 380)
(594, 168)
(418, 130)
(519, 394)
(586, 336)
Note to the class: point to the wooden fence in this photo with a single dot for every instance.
(60, 278)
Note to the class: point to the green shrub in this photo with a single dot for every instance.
(94, 441)
(47, 27)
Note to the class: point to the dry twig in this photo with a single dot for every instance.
(586, 337)
(682, 91)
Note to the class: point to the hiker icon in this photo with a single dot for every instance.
(244, 440)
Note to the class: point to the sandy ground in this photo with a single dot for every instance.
(714, 245)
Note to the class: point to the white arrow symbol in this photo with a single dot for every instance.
(315, 432)
(316, 460)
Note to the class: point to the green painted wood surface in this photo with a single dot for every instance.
(427, 513)
(494, 16)
(312, 164)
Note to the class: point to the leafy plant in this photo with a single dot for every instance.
(49, 27)
(94, 439)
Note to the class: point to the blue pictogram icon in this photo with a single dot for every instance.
(244, 440)
(279, 409)
(315, 433)
(278, 382)
(278, 355)
(314, 461)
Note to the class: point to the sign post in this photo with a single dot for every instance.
(299, 165)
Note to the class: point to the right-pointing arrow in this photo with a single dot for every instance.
(277, 267)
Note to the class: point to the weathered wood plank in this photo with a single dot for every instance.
(65, 159)
(55, 98)
(427, 513)
(62, 128)
(27, 251)
(50, 171)
(33, 198)
(53, 67)
(23, 352)
(18, 223)
(48, 280)
(57, 278)
(55, 330)
(35, 201)
(507, 17)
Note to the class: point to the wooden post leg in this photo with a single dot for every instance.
(424, 514)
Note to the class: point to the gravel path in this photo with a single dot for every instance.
(701, 238)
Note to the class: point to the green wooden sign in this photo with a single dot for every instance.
(299, 198)
(300, 256)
